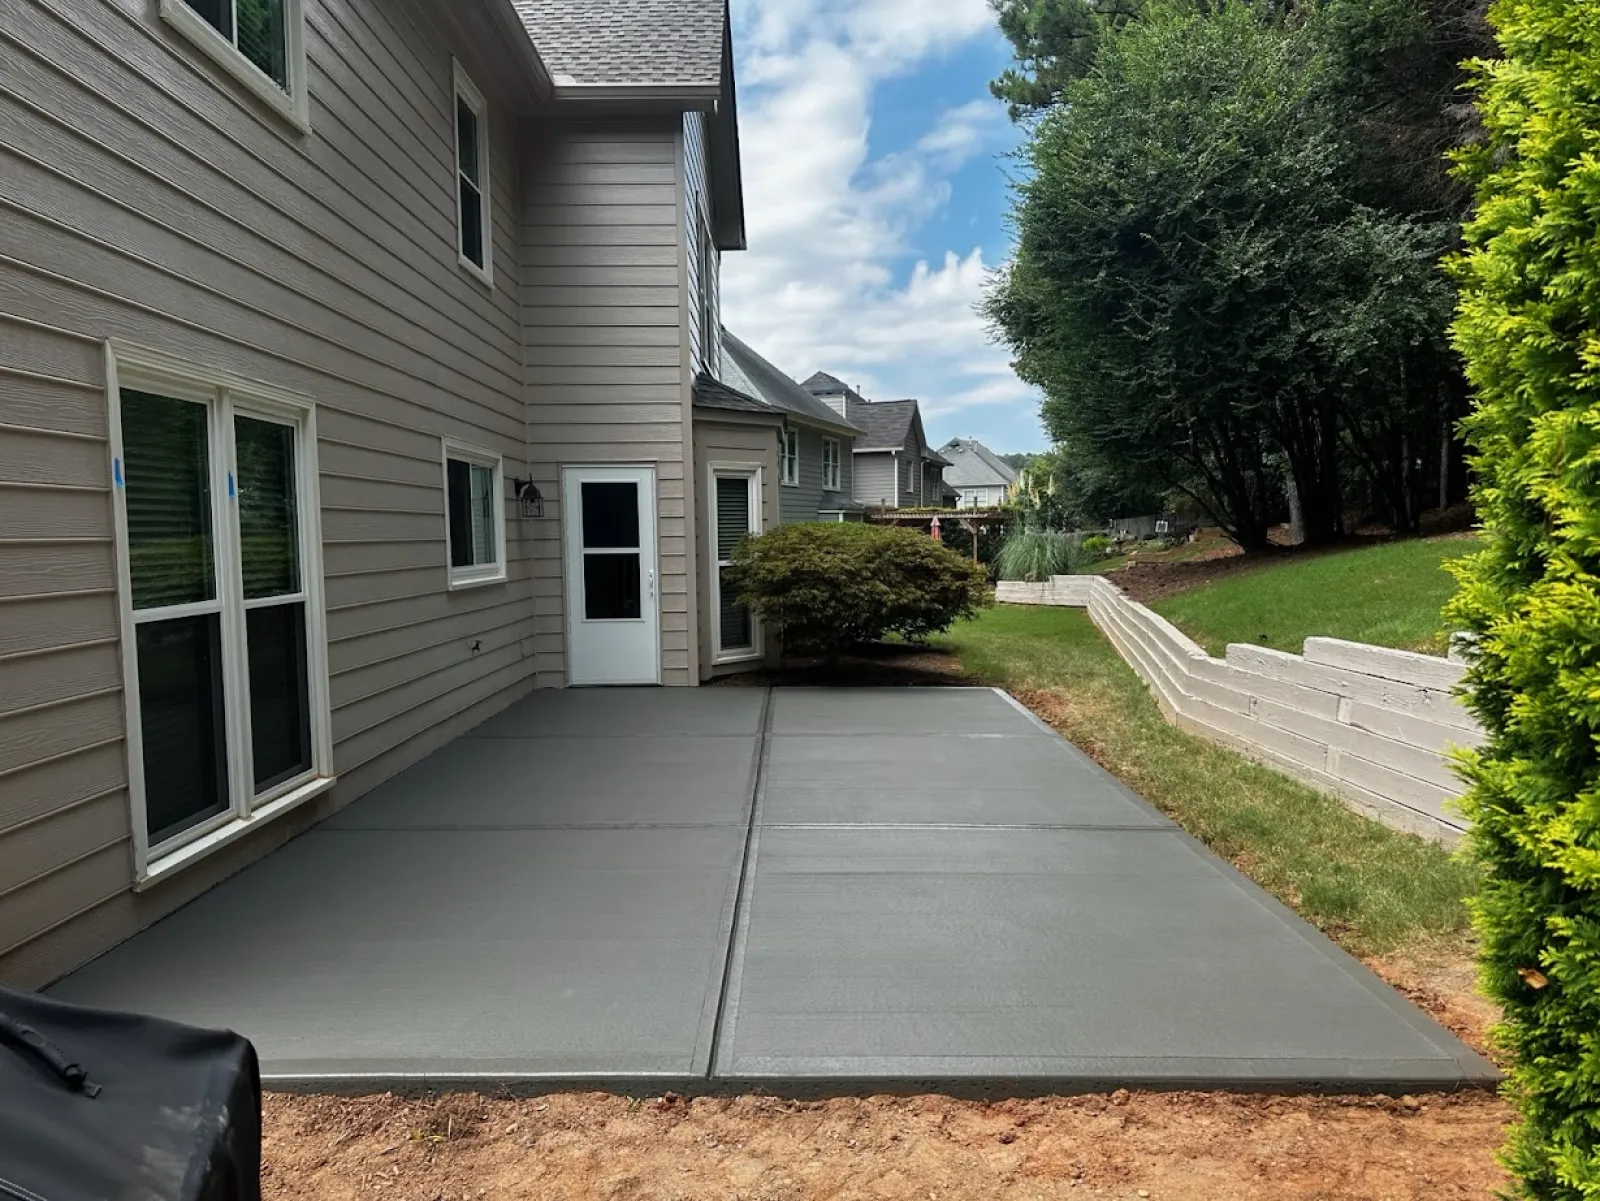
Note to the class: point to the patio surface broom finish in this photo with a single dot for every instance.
(794, 890)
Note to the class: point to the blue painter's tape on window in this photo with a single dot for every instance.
(231, 491)
(116, 471)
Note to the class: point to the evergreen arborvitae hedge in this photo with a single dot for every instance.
(1529, 327)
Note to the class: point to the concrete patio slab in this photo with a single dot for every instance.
(802, 891)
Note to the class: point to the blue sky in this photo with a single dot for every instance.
(876, 199)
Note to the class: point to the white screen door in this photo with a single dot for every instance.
(613, 613)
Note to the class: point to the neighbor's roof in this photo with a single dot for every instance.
(714, 394)
(974, 465)
(628, 42)
(744, 369)
(884, 424)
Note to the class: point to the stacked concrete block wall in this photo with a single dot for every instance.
(1373, 726)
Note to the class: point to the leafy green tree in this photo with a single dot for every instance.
(1196, 292)
(1055, 42)
(1529, 329)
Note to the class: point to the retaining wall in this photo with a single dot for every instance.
(1370, 725)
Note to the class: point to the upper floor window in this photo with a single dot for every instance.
(260, 42)
(789, 456)
(472, 178)
(830, 464)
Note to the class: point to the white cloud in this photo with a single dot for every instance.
(824, 284)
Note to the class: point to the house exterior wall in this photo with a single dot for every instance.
(145, 196)
(605, 311)
(874, 478)
(704, 261)
(804, 500)
(730, 441)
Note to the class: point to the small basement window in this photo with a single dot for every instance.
(476, 515)
(259, 42)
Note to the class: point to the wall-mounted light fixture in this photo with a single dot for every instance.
(529, 499)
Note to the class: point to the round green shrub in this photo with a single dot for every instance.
(1529, 330)
(825, 587)
(1096, 546)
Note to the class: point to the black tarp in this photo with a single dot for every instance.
(102, 1106)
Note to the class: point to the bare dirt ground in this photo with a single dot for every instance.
(1161, 1146)
(1174, 1147)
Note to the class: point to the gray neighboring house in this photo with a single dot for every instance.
(347, 380)
(816, 452)
(978, 475)
(895, 468)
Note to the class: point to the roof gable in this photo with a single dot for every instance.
(974, 465)
(746, 370)
(629, 43)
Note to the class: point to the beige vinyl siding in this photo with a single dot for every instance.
(874, 478)
(705, 271)
(605, 353)
(145, 196)
(730, 441)
(805, 500)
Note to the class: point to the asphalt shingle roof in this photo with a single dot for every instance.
(974, 465)
(628, 41)
(744, 369)
(714, 394)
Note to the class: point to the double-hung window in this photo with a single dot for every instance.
(224, 652)
(830, 464)
(475, 514)
(475, 230)
(789, 456)
(261, 43)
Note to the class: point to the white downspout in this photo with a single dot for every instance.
(895, 460)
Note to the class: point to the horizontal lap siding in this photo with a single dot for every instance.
(605, 371)
(805, 500)
(145, 196)
(874, 482)
(727, 442)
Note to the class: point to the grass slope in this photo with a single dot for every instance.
(1371, 887)
(1388, 595)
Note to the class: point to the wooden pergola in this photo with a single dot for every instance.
(974, 521)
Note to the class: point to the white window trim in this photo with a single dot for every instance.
(224, 394)
(753, 473)
(834, 484)
(466, 90)
(291, 102)
(789, 464)
(480, 574)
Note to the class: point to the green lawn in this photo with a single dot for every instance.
(1371, 887)
(1388, 595)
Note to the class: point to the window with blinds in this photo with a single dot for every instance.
(737, 496)
(261, 43)
(475, 515)
(227, 685)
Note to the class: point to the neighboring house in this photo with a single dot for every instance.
(347, 367)
(895, 468)
(816, 451)
(980, 477)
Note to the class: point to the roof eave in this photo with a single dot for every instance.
(725, 167)
(678, 96)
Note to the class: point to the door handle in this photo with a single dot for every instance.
(652, 575)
